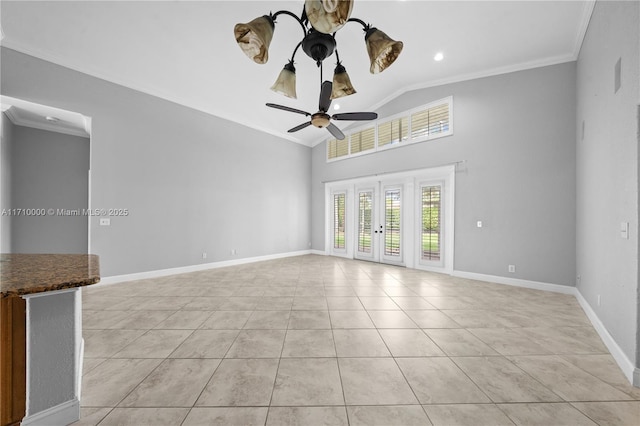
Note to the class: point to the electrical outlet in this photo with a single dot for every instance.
(512, 268)
(204, 254)
(105, 221)
(234, 251)
(598, 300)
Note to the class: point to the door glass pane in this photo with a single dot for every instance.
(338, 221)
(392, 222)
(431, 210)
(365, 200)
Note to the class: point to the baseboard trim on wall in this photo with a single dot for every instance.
(319, 252)
(516, 282)
(625, 364)
(195, 268)
(61, 414)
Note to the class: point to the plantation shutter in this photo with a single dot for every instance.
(431, 219)
(363, 140)
(339, 221)
(338, 148)
(430, 121)
(393, 131)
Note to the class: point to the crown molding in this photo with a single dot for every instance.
(524, 66)
(587, 12)
(17, 120)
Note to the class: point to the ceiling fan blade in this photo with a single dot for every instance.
(337, 133)
(325, 96)
(300, 127)
(355, 116)
(286, 108)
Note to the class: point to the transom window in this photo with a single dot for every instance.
(430, 121)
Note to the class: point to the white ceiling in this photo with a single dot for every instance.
(185, 51)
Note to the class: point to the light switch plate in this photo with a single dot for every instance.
(617, 78)
(624, 230)
(105, 221)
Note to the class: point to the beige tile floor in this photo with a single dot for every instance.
(316, 340)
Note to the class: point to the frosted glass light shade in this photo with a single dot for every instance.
(255, 37)
(382, 50)
(286, 82)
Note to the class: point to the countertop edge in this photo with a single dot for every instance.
(47, 288)
(23, 274)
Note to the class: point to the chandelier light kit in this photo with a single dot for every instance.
(320, 20)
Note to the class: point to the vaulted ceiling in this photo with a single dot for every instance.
(185, 51)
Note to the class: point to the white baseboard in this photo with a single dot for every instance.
(62, 414)
(625, 364)
(194, 268)
(516, 282)
(319, 252)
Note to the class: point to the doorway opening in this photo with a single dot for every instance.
(44, 178)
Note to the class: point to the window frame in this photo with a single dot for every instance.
(410, 140)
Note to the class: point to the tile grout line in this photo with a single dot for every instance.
(348, 283)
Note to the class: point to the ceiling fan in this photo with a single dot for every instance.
(323, 120)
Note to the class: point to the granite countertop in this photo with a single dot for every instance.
(35, 273)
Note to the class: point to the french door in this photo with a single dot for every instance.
(402, 219)
(379, 223)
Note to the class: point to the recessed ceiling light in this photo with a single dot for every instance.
(51, 119)
(439, 56)
(336, 107)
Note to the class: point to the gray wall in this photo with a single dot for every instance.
(192, 182)
(6, 143)
(607, 169)
(49, 171)
(516, 132)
